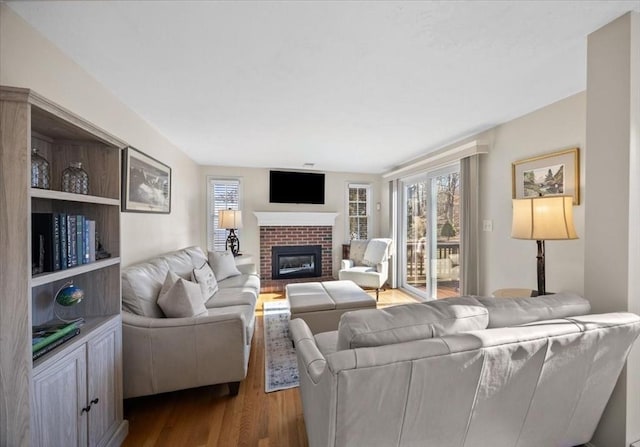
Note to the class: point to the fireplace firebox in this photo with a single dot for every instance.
(297, 261)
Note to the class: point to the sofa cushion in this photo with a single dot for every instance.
(180, 298)
(204, 277)
(180, 263)
(407, 322)
(505, 312)
(232, 297)
(223, 264)
(250, 281)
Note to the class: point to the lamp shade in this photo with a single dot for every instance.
(230, 219)
(543, 218)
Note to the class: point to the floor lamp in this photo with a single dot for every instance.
(231, 220)
(540, 219)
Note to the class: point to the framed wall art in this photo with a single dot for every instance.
(146, 183)
(554, 174)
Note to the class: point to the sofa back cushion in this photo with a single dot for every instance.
(376, 252)
(141, 283)
(408, 322)
(504, 312)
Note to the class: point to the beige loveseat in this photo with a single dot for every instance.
(166, 354)
(462, 372)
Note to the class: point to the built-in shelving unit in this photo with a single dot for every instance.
(89, 366)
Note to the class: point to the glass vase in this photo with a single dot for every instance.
(75, 179)
(39, 170)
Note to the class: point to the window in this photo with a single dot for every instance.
(222, 194)
(358, 211)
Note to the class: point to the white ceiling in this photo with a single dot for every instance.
(350, 86)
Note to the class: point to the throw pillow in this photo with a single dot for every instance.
(223, 264)
(207, 280)
(180, 298)
(409, 322)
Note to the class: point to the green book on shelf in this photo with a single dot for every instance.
(50, 332)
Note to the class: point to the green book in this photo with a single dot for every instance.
(48, 333)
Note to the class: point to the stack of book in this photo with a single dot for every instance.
(52, 334)
(61, 240)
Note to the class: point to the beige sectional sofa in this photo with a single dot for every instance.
(166, 354)
(463, 372)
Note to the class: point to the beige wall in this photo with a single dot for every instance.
(612, 252)
(507, 262)
(29, 60)
(255, 197)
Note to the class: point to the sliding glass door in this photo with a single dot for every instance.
(430, 261)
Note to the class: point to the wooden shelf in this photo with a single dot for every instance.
(90, 326)
(49, 277)
(72, 197)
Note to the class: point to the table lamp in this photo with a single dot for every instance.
(231, 220)
(540, 219)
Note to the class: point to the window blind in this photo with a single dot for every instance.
(222, 194)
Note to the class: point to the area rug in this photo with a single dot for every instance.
(280, 364)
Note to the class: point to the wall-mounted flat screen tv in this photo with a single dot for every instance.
(296, 187)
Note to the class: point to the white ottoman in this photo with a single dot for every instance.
(321, 304)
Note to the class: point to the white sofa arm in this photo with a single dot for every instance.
(346, 264)
(309, 356)
(247, 269)
(168, 354)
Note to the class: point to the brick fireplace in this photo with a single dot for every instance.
(278, 229)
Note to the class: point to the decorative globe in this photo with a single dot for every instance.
(69, 295)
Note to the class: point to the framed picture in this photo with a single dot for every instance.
(555, 174)
(146, 183)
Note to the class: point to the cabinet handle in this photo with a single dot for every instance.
(88, 407)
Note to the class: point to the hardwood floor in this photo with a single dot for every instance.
(207, 416)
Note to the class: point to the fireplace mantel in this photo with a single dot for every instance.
(294, 219)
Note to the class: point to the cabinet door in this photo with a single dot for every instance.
(105, 385)
(59, 395)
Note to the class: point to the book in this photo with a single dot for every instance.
(43, 244)
(72, 259)
(92, 241)
(48, 333)
(63, 241)
(56, 242)
(50, 347)
(80, 239)
(85, 244)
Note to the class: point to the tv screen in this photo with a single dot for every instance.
(296, 187)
